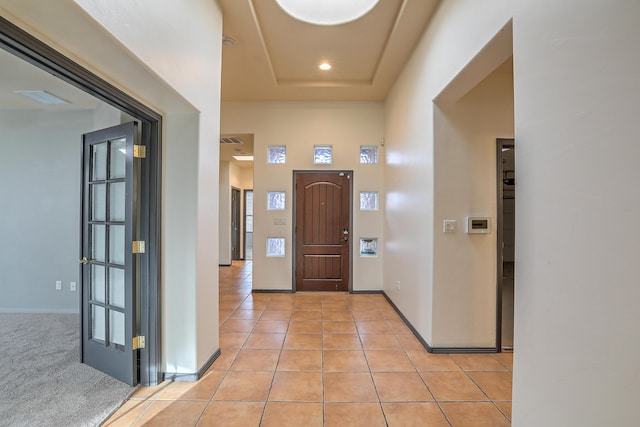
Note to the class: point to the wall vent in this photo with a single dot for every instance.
(231, 140)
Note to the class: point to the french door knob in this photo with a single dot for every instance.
(84, 260)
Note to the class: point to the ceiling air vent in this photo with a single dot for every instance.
(231, 140)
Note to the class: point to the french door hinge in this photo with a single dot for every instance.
(139, 151)
(138, 342)
(137, 247)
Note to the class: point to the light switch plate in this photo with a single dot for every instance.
(449, 226)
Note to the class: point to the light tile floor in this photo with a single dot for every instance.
(324, 359)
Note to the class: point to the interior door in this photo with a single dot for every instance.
(235, 224)
(322, 231)
(108, 266)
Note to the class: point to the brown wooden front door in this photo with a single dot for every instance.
(322, 232)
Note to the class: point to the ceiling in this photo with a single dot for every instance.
(240, 145)
(275, 57)
(17, 74)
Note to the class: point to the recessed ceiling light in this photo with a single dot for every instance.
(325, 66)
(42, 97)
(243, 158)
(327, 12)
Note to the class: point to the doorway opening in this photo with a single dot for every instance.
(236, 178)
(102, 105)
(506, 196)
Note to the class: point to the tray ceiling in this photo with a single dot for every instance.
(276, 57)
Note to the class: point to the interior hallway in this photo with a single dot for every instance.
(326, 359)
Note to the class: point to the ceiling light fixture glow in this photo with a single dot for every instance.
(41, 97)
(243, 158)
(327, 12)
(325, 66)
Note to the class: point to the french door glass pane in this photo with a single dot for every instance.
(118, 161)
(97, 323)
(97, 282)
(99, 162)
(116, 201)
(98, 202)
(116, 244)
(116, 329)
(116, 287)
(97, 242)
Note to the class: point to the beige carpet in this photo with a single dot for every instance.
(42, 382)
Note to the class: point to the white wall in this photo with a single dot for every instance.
(179, 231)
(458, 32)
(168, 55)
(224, 216)
(182, 43)
(300, 126)
(577, 325)
(242, 177)
(40, 176)
(464, 310)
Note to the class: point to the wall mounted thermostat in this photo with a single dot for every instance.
(478, 225)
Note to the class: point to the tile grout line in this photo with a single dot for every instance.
(211, 399)
(436, 401)
(404, 346)
(111, 421)
(482, 389)
(275, 369)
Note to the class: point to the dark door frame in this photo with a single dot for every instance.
(500, 143)
(294, 223)
(24, 45)
(236, 218)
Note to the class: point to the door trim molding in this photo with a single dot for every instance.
(24, 45)
(500, 142)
